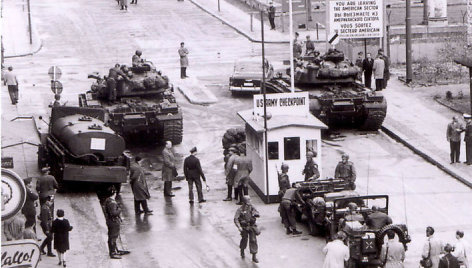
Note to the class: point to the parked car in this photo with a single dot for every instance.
(247, 75)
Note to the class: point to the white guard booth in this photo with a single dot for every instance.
(292, 131)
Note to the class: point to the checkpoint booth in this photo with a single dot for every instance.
(292, 132)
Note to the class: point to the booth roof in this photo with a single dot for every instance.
(279, 121)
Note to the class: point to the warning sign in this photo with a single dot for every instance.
(356, 19)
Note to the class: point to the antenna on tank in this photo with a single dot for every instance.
(404, 200)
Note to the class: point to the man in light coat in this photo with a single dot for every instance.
(183, 52)
(379, 67)
(241, 179)
(168, 169)
(460, 249)
(10, 80)
(393, 252)
(337, 253)
(432, 247)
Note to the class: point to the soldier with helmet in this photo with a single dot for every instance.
(310, 171)
(113, 220)
(345, 170)
(245, 221)
(287, 209)
(136, 59)
(114, 75)
(284, 181)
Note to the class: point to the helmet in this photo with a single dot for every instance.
(345, 156)
(139, 52)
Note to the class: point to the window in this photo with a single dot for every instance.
(292, 148)
(273, 150)
(312, 146)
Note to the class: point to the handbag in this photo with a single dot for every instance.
(427, 262)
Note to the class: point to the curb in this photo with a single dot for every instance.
(194, 100)
(236, 28)
(27, 54)
(426, 157)
(447, 106)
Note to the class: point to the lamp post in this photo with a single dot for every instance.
(263, 89)
(292, 69)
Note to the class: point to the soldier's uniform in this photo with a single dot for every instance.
(113, 219)
(468, 142)
(287, 210)
(284, 183)
(136, 60)
(347, 172)
(245, 218)
(311, 170)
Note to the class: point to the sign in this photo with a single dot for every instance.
(54, 72)
(56, 87)
(297, 5)
(282, 104)
(356, 18)
(7, 162)
(20, 253)
(97, 144)
(13, 194)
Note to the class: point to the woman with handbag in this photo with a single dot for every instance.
(431, 250)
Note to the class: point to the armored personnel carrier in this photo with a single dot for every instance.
(140, 104)
(336, 97)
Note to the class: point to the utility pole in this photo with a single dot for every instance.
(425, 12)
(292, 68)
(409, 71)
(469, 24)
(266, 163)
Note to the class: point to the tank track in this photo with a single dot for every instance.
(172, 131)
(374, 120)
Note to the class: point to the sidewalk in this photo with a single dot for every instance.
(15, 35)
(423, 128)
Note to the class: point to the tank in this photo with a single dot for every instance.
(145, 108)
(336, 96)
(79, 146)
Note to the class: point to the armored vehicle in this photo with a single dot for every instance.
(80, 147)
(140, 104)
(336, 97)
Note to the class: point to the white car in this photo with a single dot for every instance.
(247, 75)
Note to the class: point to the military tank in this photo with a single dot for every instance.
(143, 106)
(336, 97)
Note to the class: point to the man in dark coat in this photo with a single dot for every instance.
(377, 219)
(29, 208)
(345, 170)
(245, 221)
(113, 219)
(230, 172)
(271, 15)
(46, 186)
(310, 171)
(193, 172)
(448, 260)
(468, 138)
(139, 187)
(453, 136)
(46, 222)
(367, 66)
(169, 170)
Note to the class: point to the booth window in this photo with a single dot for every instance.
(312, 146)
(273, 150)
(292, 148)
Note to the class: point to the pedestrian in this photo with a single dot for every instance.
(287, 209)
(377, 219)
(284, 181)
(245, 221)
(46, 186)
(378, 69)
(468, 138)
(309, 47)
(169, 171)
(10, 80)
(432, 247)
(310, 171)
(124, 4)
(392, 253)
(230, 172)
(14, 228)
(139, 187)
(113, 220)
(183, 53)
(193, 172)
(453, 136)
(297, 47)
(460, 249)
(359, 64)
(337, 253)
(271, 15)
(244, 168)
(46, 224)
(448, 260)
(386, 60)
(29, 208)
(61, 228)
(367, 66)
(345, 170)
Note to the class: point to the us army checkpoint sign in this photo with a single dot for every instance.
(282, 104)
(356, 18)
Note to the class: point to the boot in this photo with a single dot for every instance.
(242, 253)
(296, 232)
(289, 231)
(254, 258)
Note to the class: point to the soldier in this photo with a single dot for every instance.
(245, 221)
(271, 15)
(193, 171)
(377, 219)
(345, 170)
(29, 208)
(468, 138)
(183, 53)
(46, 223)
(136, 59)
(287, 209)
(284, 181)
(46, 186)
(309, 47)
(453, 136)
(169, 170)
(113, 219)
(297, 47)
(230, 172)
(241, 178)
(139, 187)
(114, 75)
(352, 214)
(311, 168)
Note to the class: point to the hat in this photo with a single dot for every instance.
(467, 116)
(27, 180)
(45, 169)
(193, 150)
(232, 149)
